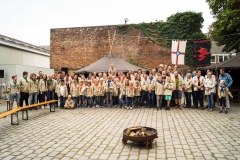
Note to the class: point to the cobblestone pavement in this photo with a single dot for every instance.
(97, 134)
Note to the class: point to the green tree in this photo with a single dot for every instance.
(226, 29)
(185, 25)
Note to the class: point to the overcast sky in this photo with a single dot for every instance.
(31, 20)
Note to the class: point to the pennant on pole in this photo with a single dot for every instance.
(178, 51)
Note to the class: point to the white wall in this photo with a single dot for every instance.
(10, 70)
(10, 55)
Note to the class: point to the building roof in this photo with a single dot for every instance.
(103, 65)
(217, 49)
(7, 41)
(231, 63)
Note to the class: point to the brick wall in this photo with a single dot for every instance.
(76, 48)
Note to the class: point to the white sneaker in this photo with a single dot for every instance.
(126, 107)
(130, 108)
(42, 107)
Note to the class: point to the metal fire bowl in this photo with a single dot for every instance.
(147, 139)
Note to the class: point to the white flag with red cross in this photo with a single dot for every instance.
(178, 51)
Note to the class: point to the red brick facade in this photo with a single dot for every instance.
(76, 48)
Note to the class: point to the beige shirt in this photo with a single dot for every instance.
(51, 84)
(130, 91)
(159, 88)
(180, 82)
(33, 86)
(62, 91)
(109, 88)
(168, 88)
(74, 90)
(42, 86)
(24, 85)
(69, 103)
(195, 82)
(89, 91)
(14, 87)
(188, 85)
(137, 91)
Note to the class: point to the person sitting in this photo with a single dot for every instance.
(69, 103)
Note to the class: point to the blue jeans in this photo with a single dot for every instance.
(210, 99)
(62, 101)
(101, 98)
(89, 101)
(150, 99)
(33, 98)
(144, 97)
(16, 96)
(129, 101)
(188, 99)
(121, 100)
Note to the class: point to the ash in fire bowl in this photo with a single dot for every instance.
(140, 134)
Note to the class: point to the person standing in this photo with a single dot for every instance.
(151, 92)
(43, 89)
(144, 91)
(51, 86)
(177, 89)
(33, 88)
(188, 89)
(24, 91)
(228, 83)
(109, 87)
(198, 83)
(14, 88)
(210, 90)
(159, 91)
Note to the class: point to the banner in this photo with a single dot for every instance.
(202, 55)
(178, 51)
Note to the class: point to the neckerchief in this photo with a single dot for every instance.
(109, 83)
(222, 88)
(50, 82)
(151, 79)
(34, 81)
(15, 84)
(25, 79)
(45, 82)
(161, 82)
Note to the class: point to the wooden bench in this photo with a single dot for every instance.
(14, 112)
(8, 103)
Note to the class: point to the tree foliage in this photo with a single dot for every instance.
(182, 26)
(226, 29)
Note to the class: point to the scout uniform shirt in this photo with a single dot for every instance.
(51, 84)
(122, 90)
(198, 81)
(210, 82)
(151, 84)
(69, 103)
(14, 87)
(188, 84)
(43, 85)
(177, 82)
(33, 86)
(159, 87)
(62, 91)
(82, 89)
(89, 91)
(74, 90)
(116, 89)
(101, 89)
(130, 91)
(168, 88)
(144, 84)
(109, 86)
(24, 85)
(137, 90)
(223, 91)
(95, 90)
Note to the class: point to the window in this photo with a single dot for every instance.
(225, 58)
(213, 59)
(220, 59)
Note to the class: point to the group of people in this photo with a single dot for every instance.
(160, 87)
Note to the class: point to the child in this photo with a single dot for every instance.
(14, 88)
(222, 92)
(168, 92)
(69, 103)
(116, 92)
(130, 95)
(74, 92)
(81, 93)
(137, 93)
(96, 93)
(101, 92)
(62, 93)
(122, 94)
(159, 91)
(89, 94)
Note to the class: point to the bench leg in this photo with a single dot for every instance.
(52, 107)
(12, 123)
(8, 106)
(26, 112)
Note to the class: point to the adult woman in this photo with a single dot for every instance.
(210, 90)
(188, 89)
(43, 89)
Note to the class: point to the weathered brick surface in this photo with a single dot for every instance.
(79, 47)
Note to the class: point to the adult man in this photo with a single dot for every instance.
(14, 89)
(228, 83)
(177, 88)
(198, 86)
(112, 70)
(24, 89)
(144, 91)
(151, 92)
(109, 88)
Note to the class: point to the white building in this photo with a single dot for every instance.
(17, 56)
